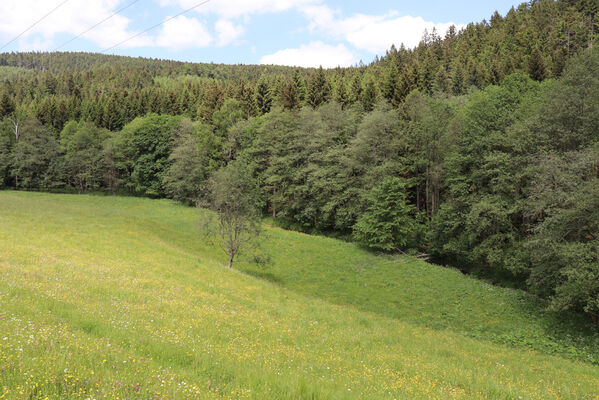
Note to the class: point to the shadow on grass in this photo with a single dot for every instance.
(266, 275)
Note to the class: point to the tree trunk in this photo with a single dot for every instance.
(231, 256)
(16, 128)
(427, 190)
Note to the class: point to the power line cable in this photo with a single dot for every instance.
(34, 24)
(155, 26)
(94, 26)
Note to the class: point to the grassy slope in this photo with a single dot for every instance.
(423, 294)
(117, 297)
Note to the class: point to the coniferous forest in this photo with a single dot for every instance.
(479, 149)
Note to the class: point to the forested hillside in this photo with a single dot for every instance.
(480, 148)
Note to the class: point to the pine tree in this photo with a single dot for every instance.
(473, 74)
(457, 80)
(212, 100)
(263, 96)
(356, 89)
(61, 116)
(300, 85)
(45, 111)
(442, 81)
(245, 95)
(427, 76)
(173, 104)
(319, 90)
(369, 95)
(341, 95)
(559, 61)
(7, 105)
(289, 97)
(536, 66)
(387, 224)
(390, 90)
(407, 82)
(112, 116)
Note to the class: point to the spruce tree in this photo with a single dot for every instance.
(390, 90)
(356, 89)
(369, 94)
(341, 95)
(318, 88)
(289, 97)
(263, 96)
(407, 82)
(442, 81)
(300, 85)
(7, 105)
(536, 66)
(457, 80)
(387, 224)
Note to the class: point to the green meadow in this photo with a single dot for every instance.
(123, 298)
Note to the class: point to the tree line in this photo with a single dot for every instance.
(538, 38)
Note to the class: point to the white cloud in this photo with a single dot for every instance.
(227, 31)
(237, 8)
(72, 18)
(313, 54)
(371, 32)
(378, 37)
(183, 32)
(36, 44)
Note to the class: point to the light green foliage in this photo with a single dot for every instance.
(139, 307)
(564, 203)
(144, 147)
(229, 114)
(194, 157)
(429, 140)
(566, 117)
(235, 198)
(380, 146)
(502, 167)
(299, 161)
(212, 99)
(478, 227)
(6, 144)
(388, 223)
(36, 161)
(82, 144)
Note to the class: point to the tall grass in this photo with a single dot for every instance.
(110, 297)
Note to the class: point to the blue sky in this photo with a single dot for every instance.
(290, 32)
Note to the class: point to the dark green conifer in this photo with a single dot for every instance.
(263, 96)
(319, 89)
(536, 66)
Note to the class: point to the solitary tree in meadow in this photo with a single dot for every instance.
(234, 197)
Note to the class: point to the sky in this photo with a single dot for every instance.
(306, 33)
